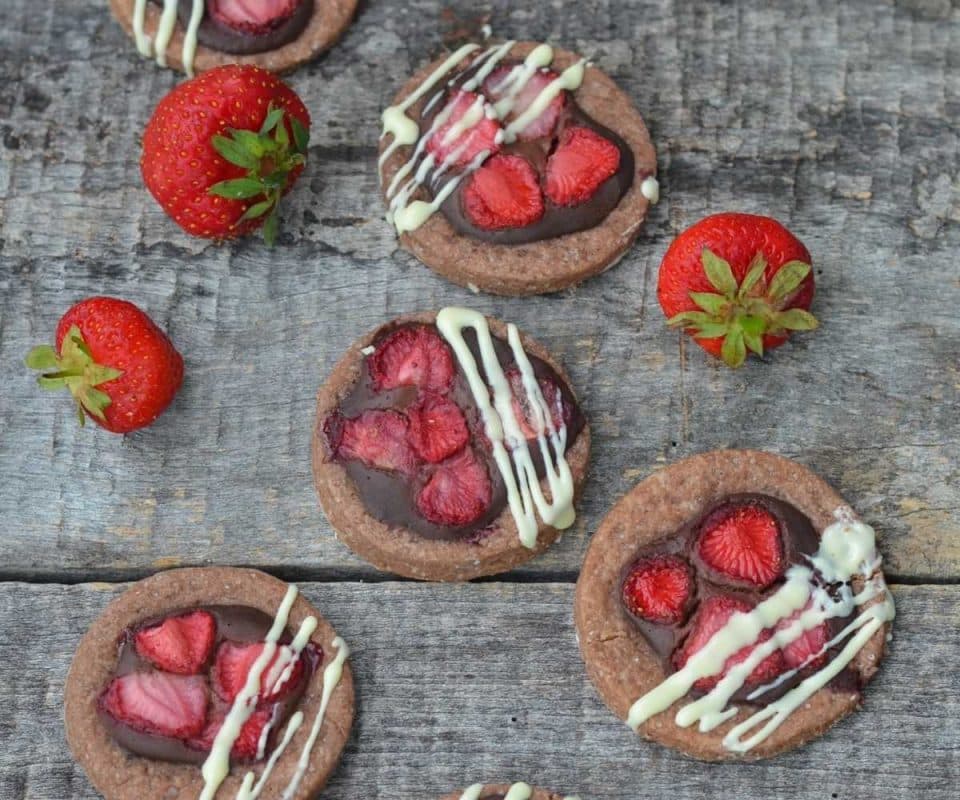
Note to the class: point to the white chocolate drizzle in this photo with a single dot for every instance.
(407, 215)
(164, 33)
(847, 550)
(518, 791)
(650, 188)
(524, 495)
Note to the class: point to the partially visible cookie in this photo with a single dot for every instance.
(516, 169)
(504, 791)
(158, 682)
(416, 470)
(278, 35)
(732, 606)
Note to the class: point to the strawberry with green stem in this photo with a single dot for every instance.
(738, 283)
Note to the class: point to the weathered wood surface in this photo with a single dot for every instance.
(493, 689)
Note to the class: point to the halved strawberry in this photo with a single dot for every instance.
(808, 645)
(247, 745)
(457, 493)
(743, 543)
(158, 703)
(474, 139)
(560, 410)
(254, 17)
(233, 663)
(503, 193)
(438, 429)
(711, 616)
(414, 355)
(659, 589)
(582, 161)
(180, 644)
(378, 438)
(495, 87)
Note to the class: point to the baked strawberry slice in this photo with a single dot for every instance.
(414, 355)
(712, 615)
(438, 429)
(467, 132)
(503, 193)
(247, 745)
(378, 438)
(497, 87)
(582, 161)
(561, 411)
(659, 589)
(158, 703)
(180, 644)
(457, 493)
(253, 17)
(232, 666)
(808, 649)
(743, 543)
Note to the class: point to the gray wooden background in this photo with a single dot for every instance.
(840, 121)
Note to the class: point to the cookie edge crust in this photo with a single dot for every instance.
(526, 269)
(400, 550)
(619, 661)
(117, 774)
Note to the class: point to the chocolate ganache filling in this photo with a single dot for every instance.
(394, 496)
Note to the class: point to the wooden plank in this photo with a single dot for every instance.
(493, 689)
(840, 120)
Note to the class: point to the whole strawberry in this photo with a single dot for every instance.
(119, 366)
(737, 283)
(222, 149)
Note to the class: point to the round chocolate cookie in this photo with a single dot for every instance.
(417, 472)
(523, 202)
(731, 606)
(499, 791)
(160, 676)
(304, 30)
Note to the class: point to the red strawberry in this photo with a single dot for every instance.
(437, 428)
(378, 438)
(457, 493)
(247, 745)
(158, 703)
(659, 589)
(480, 136)
(737, 283)
(495, 88)
(221, 149)
(560, 410)
(743, 543)
(178, 644)
(119, 366)
(254, 17)
(809, 644)
(233, 663)
(414, 355)
(711, 616)
(503, 193)
(582, 161)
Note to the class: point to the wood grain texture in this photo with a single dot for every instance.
(839, 121)
(494, 690)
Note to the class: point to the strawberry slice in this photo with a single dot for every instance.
(233, 663)
(659, 589)
(247, 745)
(474, 139)
(560, 410)
(808, 645)
(414, 355)
(438, 429)
(180, 644)
(379, 439)
(582, 161)
(503, 193)
(495, 87)
(743, 543)
(457, 493)
(254, 17)
(713, 614)
(158, 703)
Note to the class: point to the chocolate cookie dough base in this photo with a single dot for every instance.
(330, 19)
(621, 663)
(552, 264)
(502, 789)
(119, 775)
(402, 551)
